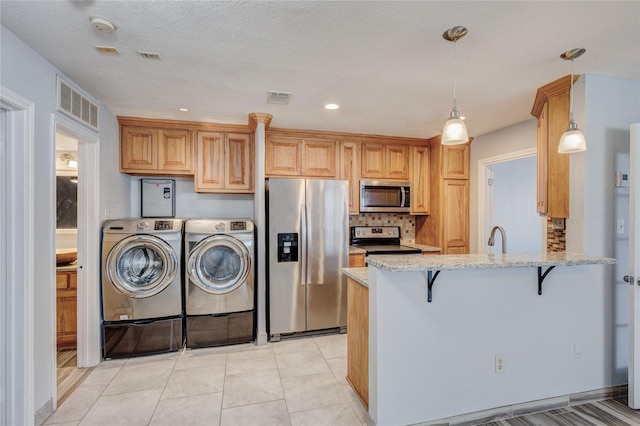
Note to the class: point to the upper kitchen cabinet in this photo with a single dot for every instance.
(224, 163)
(350, 170)
(152, 147)
(385, 161)
(447, 225)
(551, 108)
(420, 174)
(301, 156)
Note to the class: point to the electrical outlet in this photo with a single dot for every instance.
(577, 350)
(499, 363)
(107, 213)
(620, 227)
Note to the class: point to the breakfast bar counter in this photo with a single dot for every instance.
(473, 340)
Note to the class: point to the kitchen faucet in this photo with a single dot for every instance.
(504, 238)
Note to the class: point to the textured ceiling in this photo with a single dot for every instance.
(384, 62)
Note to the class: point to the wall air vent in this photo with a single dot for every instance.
(76, 106)
(149, 55)
(280, 98)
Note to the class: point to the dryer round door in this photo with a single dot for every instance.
(219, 264)
(141, 266)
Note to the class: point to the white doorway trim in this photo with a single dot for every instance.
(17, 311)
(88, 240)
(484, 172)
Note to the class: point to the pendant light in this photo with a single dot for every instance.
(454, 131)
(572, 140)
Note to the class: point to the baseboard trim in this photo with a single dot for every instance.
(530, 407)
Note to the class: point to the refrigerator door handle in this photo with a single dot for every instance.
(303, 244)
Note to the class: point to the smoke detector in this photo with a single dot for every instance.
(102, 24)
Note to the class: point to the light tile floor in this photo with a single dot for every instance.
(292, 382)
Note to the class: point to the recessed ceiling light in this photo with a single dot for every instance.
(183, 109)
(331, 106)
(108, 50)
(149, 55)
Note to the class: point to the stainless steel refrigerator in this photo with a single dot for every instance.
(308, 222)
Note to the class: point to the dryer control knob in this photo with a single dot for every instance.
(220, 227)
(142, 225)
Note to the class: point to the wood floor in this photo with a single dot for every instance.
(69, 376)
(601, 413)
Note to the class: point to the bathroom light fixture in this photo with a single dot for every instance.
(572, 140)
(68, 158)
(454, 131)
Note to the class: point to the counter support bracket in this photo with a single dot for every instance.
(431, 279)
(542, 276)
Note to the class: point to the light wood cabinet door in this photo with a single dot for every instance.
(373, 160)
(350, 171)
(224, 163)
(456, 162)
(455, 216)
(420, 175)
(397, 162)
(358, 339)
(283, 157)
(542, 149)
(557, 164)
(318, 158)
(356, 260)
(66, 310)
(175, 151)
(138, 149)
(385, 161)
(210, 171)
(239, 161)
(156, 151)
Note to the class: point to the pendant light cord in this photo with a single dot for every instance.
(455, 73)
(571, 95)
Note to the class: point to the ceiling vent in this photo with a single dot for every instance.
(107, 50)
(149, 55)
(76, 106)
(280, 98)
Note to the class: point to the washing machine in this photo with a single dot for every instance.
(219, 282)
(142, 287)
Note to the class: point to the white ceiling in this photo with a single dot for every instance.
(384, 62)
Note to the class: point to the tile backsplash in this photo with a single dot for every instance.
(406, 223)
(556, 238)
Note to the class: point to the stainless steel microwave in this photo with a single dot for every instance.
(385, 196)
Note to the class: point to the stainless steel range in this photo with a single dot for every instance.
(380, 240)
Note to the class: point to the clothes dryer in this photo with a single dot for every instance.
(219, 282)
(141, 287)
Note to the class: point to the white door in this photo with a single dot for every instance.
(634, 269)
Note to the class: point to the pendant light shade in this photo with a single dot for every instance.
(454, 131)
(572, 140)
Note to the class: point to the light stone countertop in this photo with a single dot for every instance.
(356, 250)
(452, 262)
(360, 275)
(424, 248)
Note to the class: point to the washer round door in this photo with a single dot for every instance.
(141, 266)
(219, 264)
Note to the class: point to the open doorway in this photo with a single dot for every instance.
(508, 194)
(68, 375)
(77, 318)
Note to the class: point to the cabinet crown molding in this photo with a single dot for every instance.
(555, 88)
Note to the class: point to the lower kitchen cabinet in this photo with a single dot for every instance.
(356, 260)
(358, 339)
(66, 309)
